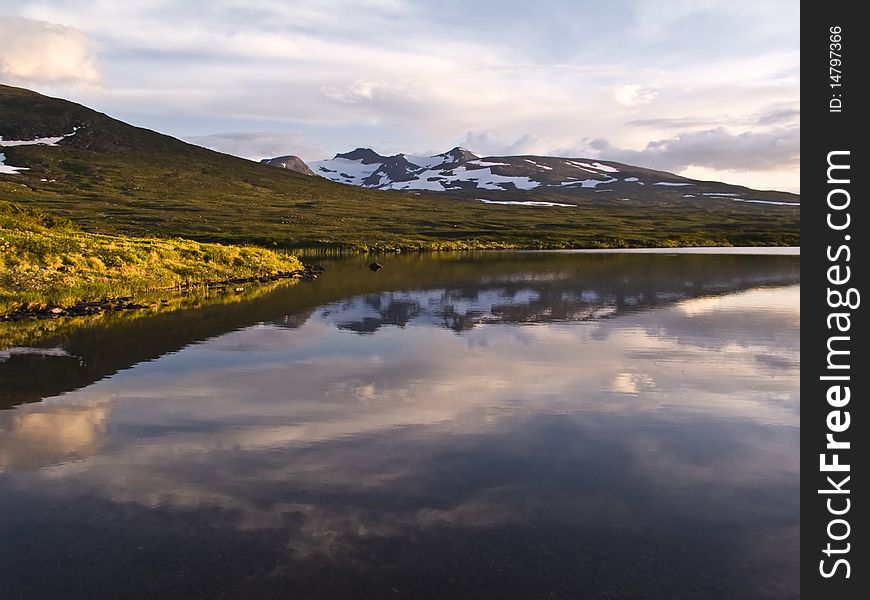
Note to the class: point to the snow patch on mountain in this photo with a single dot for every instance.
(596, 166)
(483, 163)
(582, 166)
(433, 185)
(531, 203)
(588, 183)
(753, 201)
(341, 169)
(426, 161)
(46, 141)
(545, 167)
(490, 181)
(605, 168)
(435, 179)
(9, 169)
(43, 141)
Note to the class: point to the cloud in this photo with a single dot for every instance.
(717, 149)
(358, 91)
(675, 122)
(256, 145)
(713, 153)
(487, 142)
(633, 94)
(780, 115)
(40, 52)
(350, 73)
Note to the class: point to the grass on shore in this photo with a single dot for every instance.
(46, 260)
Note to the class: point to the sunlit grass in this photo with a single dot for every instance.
(46, 260)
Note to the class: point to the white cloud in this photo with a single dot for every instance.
(719, 149)
(257, 145)
(40, 52)
(487, 142)
(784, 179)
(356, 92)
(633, 94)
(423, 74)
(756, 158)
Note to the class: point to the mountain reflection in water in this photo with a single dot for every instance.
(516, 426)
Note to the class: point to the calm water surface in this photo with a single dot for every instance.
(501, 426)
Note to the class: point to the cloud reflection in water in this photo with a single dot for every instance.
(654, 447)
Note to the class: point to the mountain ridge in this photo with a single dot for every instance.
(461, 171)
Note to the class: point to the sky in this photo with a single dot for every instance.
(703, 88)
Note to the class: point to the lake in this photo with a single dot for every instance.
(497, 425)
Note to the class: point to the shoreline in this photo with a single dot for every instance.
(84, 308)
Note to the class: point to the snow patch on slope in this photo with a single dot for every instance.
(483, 163)
(531, 203)
(44, 141)
(581, 166)
(426, 162)
(605, 168)
(596, 166)
(489, 180)
(537, 165)
(342, 169)
(437, 185)
(9, 169)
(588, 183)
(482, 178)
(752, 201)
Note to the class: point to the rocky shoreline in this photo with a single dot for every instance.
(80, 309)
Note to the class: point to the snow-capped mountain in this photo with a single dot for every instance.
(457, 169)
(460, 171)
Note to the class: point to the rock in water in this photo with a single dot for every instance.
(376, 266)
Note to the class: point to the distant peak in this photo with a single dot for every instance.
(366, 155)
(460, 154)
(289, 162)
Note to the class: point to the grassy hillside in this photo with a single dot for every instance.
(113, 178)
(47, 260)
